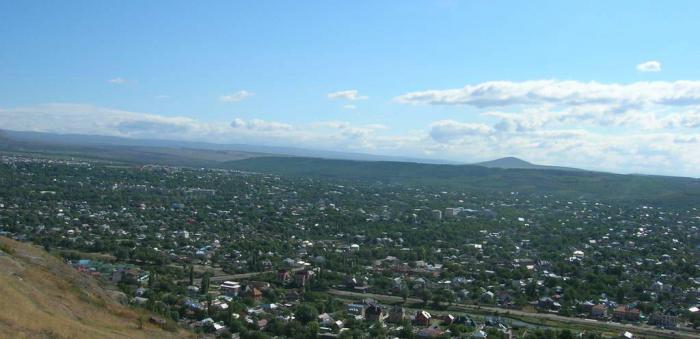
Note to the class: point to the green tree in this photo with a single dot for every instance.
(312, 329)
(425, 295)
(306, 313)
(204, 286)
(404, 294)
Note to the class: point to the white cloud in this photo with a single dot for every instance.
(690, 119)
(541, 117)
(450, 130)
(117, 81)
(260, 125)
(90, 119)
(349, 130)
(545, 104)
(649, 66)
(528, 119)
(555, 92)
(687, 139)
(236, 96)
(351, 94)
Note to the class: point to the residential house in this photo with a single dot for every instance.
(267, 264)
(465, 320)
(230, 288)
(665, 320)
(487, 297)
(599, 311)
(288, 262)
(270, 308)
(504, 298)
(587, 306)
(396, 315)
(422, 318)
(375, 313)
(626, 313)
(548, 304)
(254, 293)
(338, 325)
(192, 291)
(283, 276)
(301, 278)
(356, 309)
(448, 319)
(261, 285)
(325, 320)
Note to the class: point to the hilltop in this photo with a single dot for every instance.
(43, 297)
(517, 163)
(569, 184)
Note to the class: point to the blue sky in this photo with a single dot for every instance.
(553, 82)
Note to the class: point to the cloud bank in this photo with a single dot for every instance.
(644, 127)
(641, 127)
(555, 92)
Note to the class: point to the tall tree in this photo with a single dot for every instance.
(204, 287)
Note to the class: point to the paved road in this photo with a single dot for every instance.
(608, 326)
(233, 277)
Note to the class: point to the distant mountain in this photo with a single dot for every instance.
(119, 150)
(565, 184)
(516, 163)
(501, 175)
(139, 150)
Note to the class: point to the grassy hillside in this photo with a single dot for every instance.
(566, 184)
(41, 297)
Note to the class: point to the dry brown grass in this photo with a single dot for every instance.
(41, 297)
